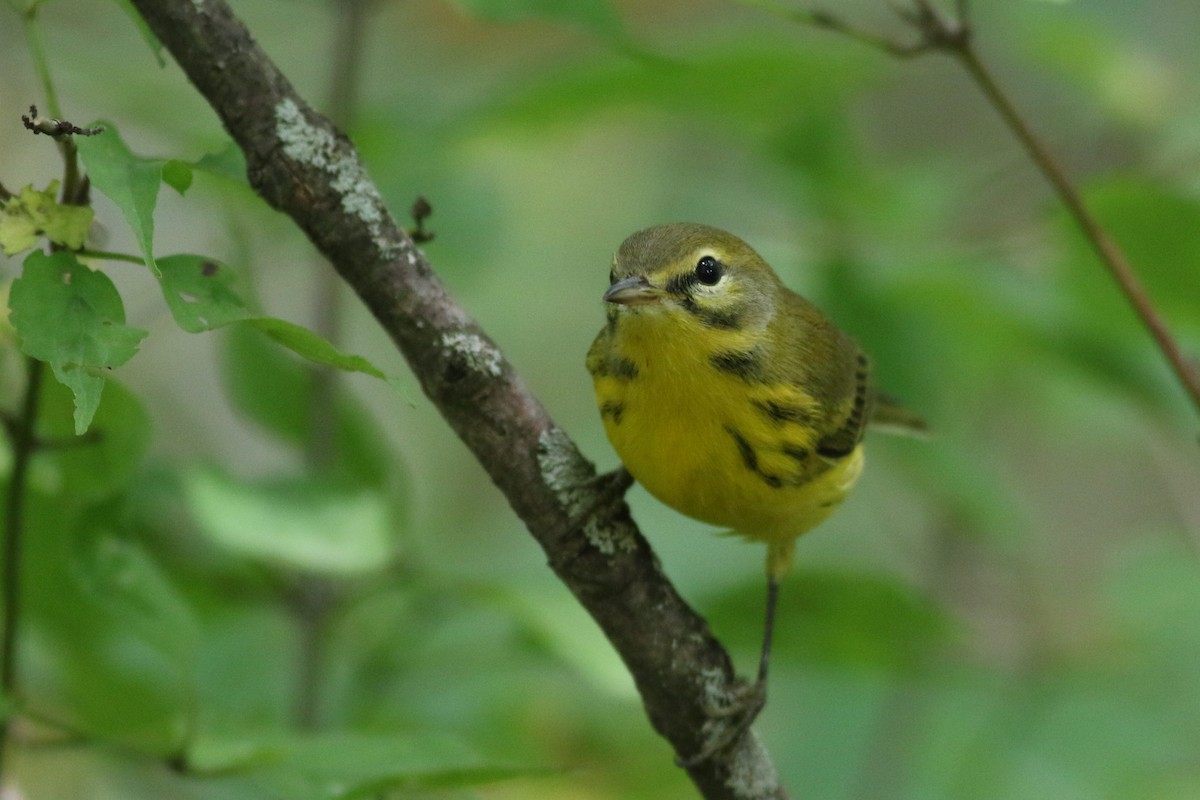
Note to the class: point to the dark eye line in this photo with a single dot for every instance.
(682, 284)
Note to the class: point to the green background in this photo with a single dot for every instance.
(1009, 610)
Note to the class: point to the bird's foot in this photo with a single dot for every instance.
(729, 721)
(607, 489)
(611, 485)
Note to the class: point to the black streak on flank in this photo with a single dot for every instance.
(624, 369)
(782, 413)
(750, 458)
(617, 367)
(800, 454)
(745, 449)
(744, 364)
(612, 409)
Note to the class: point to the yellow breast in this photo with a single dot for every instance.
(707, 433)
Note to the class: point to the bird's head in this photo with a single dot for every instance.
(687, 270)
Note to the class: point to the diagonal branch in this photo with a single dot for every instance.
(300, 164)
(952, 35)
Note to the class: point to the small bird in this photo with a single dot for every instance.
(731, 398)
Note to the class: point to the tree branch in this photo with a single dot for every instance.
(952, 35)
(300, 164)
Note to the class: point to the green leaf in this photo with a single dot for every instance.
(227, 162)
(597, 16)
(31, 214)
(72, 318)
(267, 384)
(345, 765)
(313, 347)
(199, 291)
(130, 181)
(114, 643)
(303, 523)
(274, 389)
(98, 467)
(177, 174)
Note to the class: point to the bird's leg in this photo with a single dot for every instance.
(746, 701)
(764, 658)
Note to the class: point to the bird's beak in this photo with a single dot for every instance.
(632, 291)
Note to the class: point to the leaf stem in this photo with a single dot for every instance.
(106, 255)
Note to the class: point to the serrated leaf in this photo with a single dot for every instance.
(312, 346)
(33, 214)
(130, 181)
(72, 318)
(199, 291)
(303, 523)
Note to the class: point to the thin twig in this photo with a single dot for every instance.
(953, 36)
(1106, 248)
(23, 431)
(830, 22)
(317, 598)
(24, 446)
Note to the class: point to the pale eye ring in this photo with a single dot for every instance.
(709, 271)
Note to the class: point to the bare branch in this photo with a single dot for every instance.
(300, 164)
(830, 22)
(55, 127)
(953, 36)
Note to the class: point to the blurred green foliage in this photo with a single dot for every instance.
(253, 579)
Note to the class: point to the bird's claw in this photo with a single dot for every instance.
(729, 721)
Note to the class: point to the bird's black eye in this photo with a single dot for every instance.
(612, 277)
(709, 271)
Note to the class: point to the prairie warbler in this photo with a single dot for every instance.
(731, 398)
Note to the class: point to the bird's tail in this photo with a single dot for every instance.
(888, 416)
